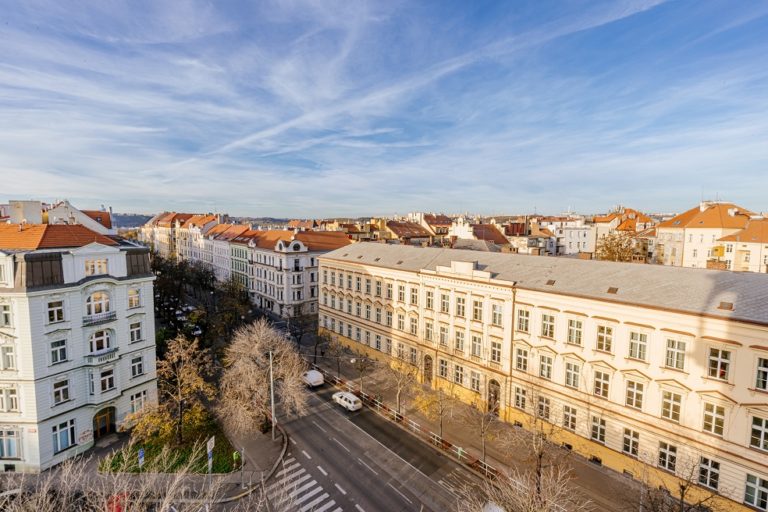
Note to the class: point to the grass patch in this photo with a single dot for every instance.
(222, 452)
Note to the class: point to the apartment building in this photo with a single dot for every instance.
(642, 368)
(747, 249)
(77, 340)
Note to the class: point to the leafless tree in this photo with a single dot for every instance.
(616, 247)
(438, 403)
(323, 341)
(403, 378)
(362, 365)
(301, 324)
(334, 349)
(482, 419)
(245, 382)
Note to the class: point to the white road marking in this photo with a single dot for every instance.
(291, 440)
(306, 454)
(325, 473)
(341, 489)
(341, 444)
(301, 489)
(358, 507)
(327, 506)
(286, 482)
(366, 465)
(308, 495)
(401, 494)
(318, 426)
(285, 469)
(316, 501)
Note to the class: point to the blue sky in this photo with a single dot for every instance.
(320, 108)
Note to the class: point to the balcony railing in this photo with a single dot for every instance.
(104, 357)
(99, 318)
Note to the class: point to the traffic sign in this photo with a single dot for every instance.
(141, 457)
(211, 443)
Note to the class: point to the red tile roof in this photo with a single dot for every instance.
(714, 215)
(103, 218)
(756, 232)
(407, 229)
(48, 236)
(440, 220)
(490, 233)
(198, 220)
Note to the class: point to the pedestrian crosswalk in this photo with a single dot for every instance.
(295, 489)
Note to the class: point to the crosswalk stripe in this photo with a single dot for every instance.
(327, 506)
(292, 485)
(288, 468)
(316, 501)
(304, 497)
(301, 489)
(286, 479)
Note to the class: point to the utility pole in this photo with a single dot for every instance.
(272, 395)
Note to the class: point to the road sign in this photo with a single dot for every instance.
(211, 443)
(141, 457)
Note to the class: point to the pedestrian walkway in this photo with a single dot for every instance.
(295, 488)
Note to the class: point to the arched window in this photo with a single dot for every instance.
(97, 303)
(99, 341)
(134, 298)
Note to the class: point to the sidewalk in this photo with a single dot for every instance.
(603, 486)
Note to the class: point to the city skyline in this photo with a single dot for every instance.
(316, 109)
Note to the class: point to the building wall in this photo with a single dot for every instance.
(746, 257)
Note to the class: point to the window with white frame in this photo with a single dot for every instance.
(95, 267)
(414, 296)
(634, 397)
(459, 341)
(756, 492)
(477, 310)
(598, 429)
(474, 381)
(10, 442)
(414, 325)
(521, 359)
(63, 435)
(358, 335)
(358, 283)
(545, 366)
(569, 417)
(134, 331)
(667, 456)
(7, 355)
(55, 311)
(349, 282)
(400, 322)
(460, 307)
(719, 363)
(496, 314)
(630, 442)
(543, 408)
(602, 383)
(401, 293)
(445, 302)
(367, 337)
(60, 391)
(9, 399)
(714, 418)
(442, 368)
(389, 319)
(761, 381)
(367, 311)
(548, 325)
(495, 352)
(476, 346)
(709, 473)
(520, 395)
(107, 380)
(377, 342)
(389, 290)
(443, 335)
(458, 374)
(638, 345)
(367, 286)
(6, 319)
(429, 300)
(99, 341)
(138, 401)
(671, 405)
(759, 437)
(604, 338)
(574, 331)
(97, 303)
(137, 366)
(572, 373)
(523, 320)
(675, 357)
(134, 298)
(428, 330)
(388, 345)
(378, 288)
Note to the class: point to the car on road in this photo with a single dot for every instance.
(347, 400)
(312, 378)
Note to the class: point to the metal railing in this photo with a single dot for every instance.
(102, 358)
(99, 318)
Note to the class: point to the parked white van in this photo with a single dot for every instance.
(313, 378)
(347, 400)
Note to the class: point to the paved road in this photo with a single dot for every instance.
(340, 461)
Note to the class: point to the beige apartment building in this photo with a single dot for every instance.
(643, 368)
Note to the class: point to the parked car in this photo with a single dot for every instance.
(313, 378)
(347, 400)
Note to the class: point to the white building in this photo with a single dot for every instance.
(747, 250)
(77, 341)
(572, 235)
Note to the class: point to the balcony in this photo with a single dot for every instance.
(99, 318)
(102, 358)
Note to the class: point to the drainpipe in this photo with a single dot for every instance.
(512, 348)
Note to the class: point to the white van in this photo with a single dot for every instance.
(347, 400)
(313, 378)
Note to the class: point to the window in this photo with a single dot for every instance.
(9, 399)
(521, 359)
(95, 267)
(414, 325)
(604, 338)
(428, 330)
(670, 405)
(5, 315)
(135, 332)
(97, 303)
(357, 334)
(430, 300)
(378, 288)
(358, 284)
(349, 281)
(477, 343)
(460, 306)
(368, 286)
(474, 381)
(55, 311)
(631, 442)
(63, 435)
(709, 473)
(496, 352)
(574, 332)
(756, 492)
(389, 318)
(638, 345)
(100, 340)
(520, 398)
(523, 320)
(762, 374)
(496, 314)
(9, 443)
(572, 371)
(414, 296)
(548, 326)
(569, 417)
(444, 302)
(7, 357)
(389, 290)
(598, 429)
(602, 380)
(134, 298)
(543, 408)
(477, 310)
(401, 293)
(458, 374)
(444, 335)
(459, 341)
(714, 418)
(367, 337)
(378, 315)
(107, 380)
(634, 395)
(719, 363)
(414, 356)
(759, 437)
(333, 279)
(675, 354)
(358, 309)
(60, 392)
(545, 367)
(378, 342)
(442, 368)
(667, 456)
(138, 401)
(137, 366)
(367, 311)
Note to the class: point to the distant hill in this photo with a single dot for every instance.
(129, 220)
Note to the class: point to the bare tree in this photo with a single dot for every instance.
(402, 377)
(301, 324)
(363, 365)
(438, 403)
(323, 341)
(245, 383)
(481, 417)
(616, 247)
(334, 349)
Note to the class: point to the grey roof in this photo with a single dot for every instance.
(697, 291)
(476, 245)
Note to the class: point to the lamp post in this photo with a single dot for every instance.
(272, 395)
